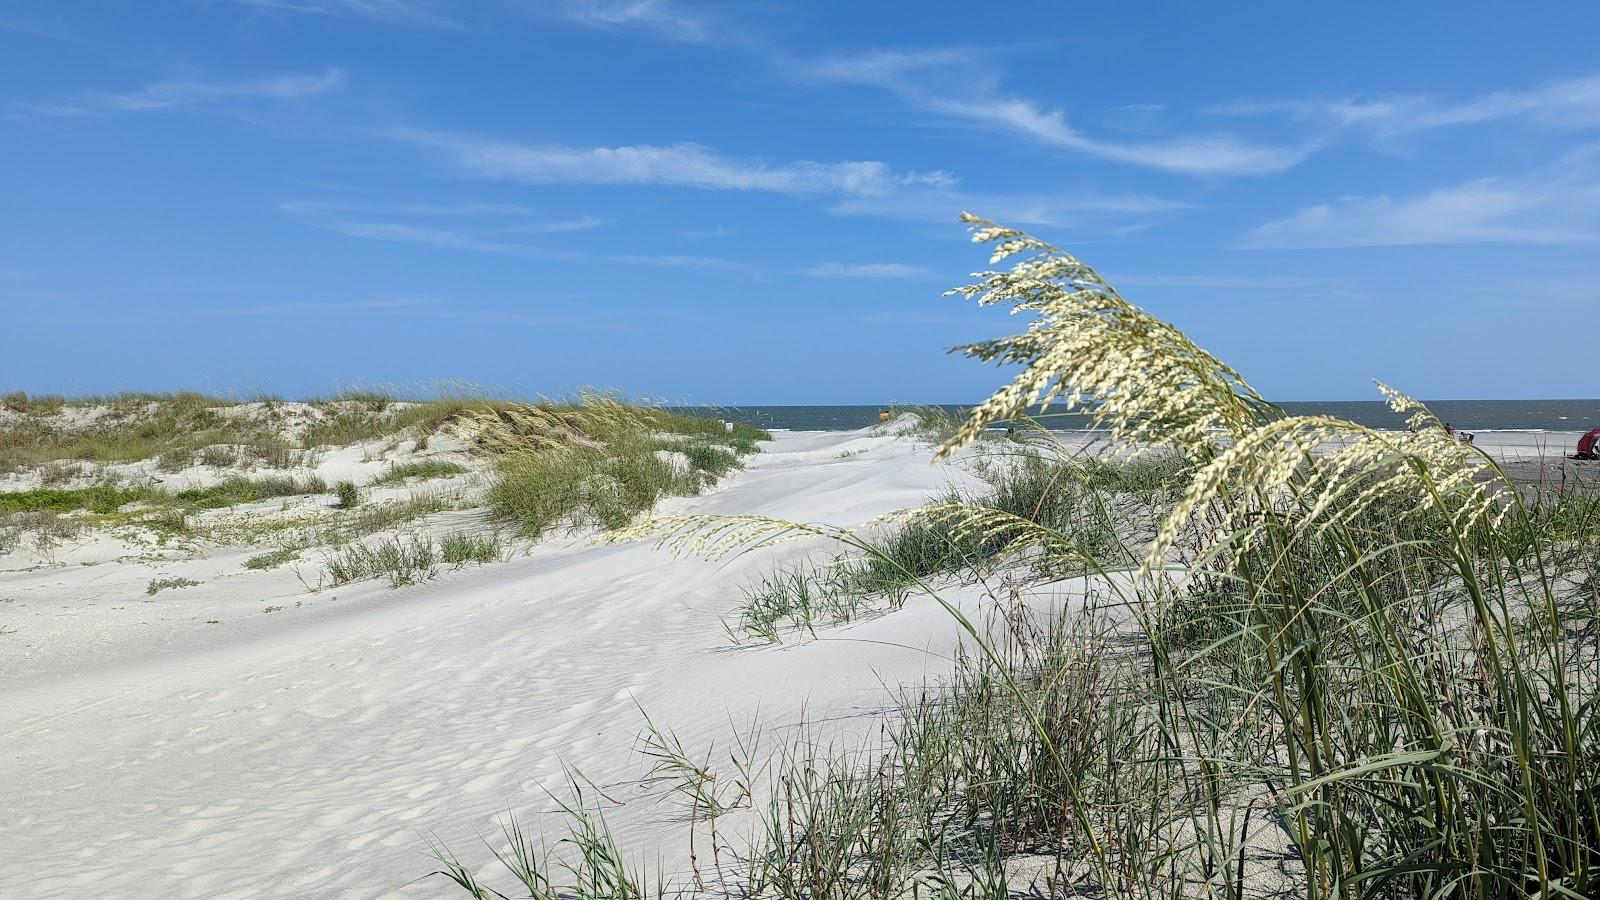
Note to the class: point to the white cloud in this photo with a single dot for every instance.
(1188, 155)
(923, 79)
(555, 226)
(438, 237)
(1567, 104)
(409, 12)
(165, 95)
(661, 16)
(1556, 206)
(860, 187)
(675, 165)
(866, 270)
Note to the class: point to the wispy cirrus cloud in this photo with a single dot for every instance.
(407, 12)
(555, 226)
(482, 227)
(666, 18)
(417, 234)
(944, 81)
(670, 165)
(456, 239)
(169, 95)
(1558, 205)
(855, 187)
(866, 270)
(1563, 104)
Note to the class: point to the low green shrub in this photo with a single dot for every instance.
(349, 495)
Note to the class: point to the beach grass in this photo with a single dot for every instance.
(408, 559)
(421, 469)
(109, 498)
(1331, 662)
(271, 559)
(158, 585)
(599, 462)
(178, 428)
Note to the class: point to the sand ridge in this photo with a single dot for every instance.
(306, 753)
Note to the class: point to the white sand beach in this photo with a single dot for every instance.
(247, 736)
(307, 752)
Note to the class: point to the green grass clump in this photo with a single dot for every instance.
(803, 598)
(99, 498)
(708, 459)
(427, 468)
(20, 402)
(580, 487)
(1075, 501)
(599, 463)
(458, 548)
(157, 585)
(403, 562)
(271, 559)
(235, 490)
(349, 495)
(107, 498)
(409, 560)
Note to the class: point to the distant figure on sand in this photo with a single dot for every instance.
(1465, 437)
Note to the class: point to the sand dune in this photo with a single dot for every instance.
(306, 753)
(312, 751)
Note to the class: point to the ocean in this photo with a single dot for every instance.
(1468, 415)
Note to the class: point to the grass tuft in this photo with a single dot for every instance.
(423, 469)
(272, 559)
(157, 585)
(349, 495)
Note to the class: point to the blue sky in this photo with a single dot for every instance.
(756, 202)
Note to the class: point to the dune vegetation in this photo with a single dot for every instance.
(600, 462)
(1251, 655)
(153, 463)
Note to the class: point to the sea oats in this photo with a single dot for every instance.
(1091, 351)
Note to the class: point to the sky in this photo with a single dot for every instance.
(757, 202)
